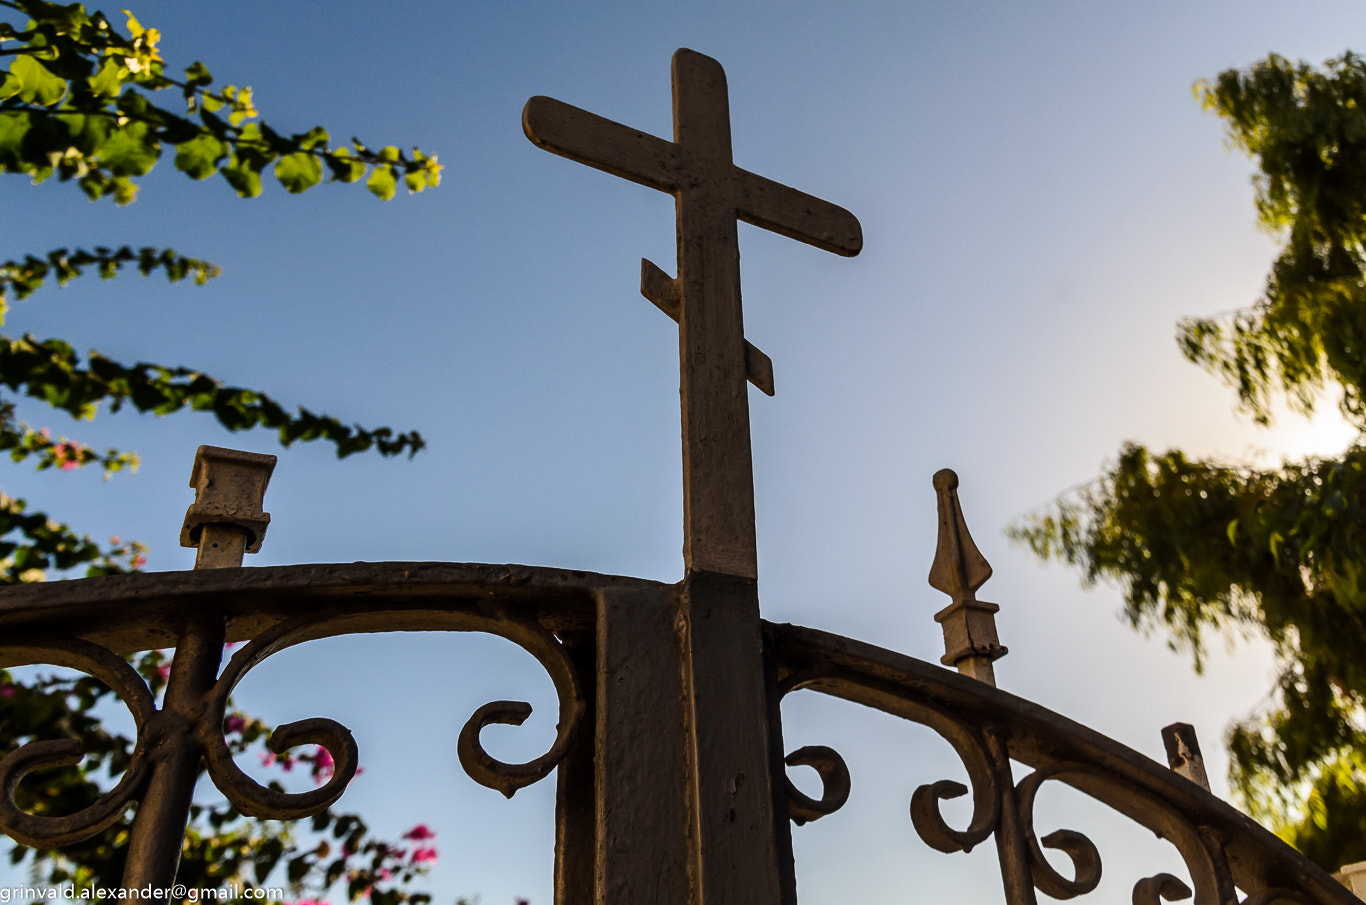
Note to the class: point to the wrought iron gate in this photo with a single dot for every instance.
(670, 785)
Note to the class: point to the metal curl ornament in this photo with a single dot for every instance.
(507, 778)
(256, 800)
(1082, 851)
(113, 671)
(252, 798)
(1160, 888)
(835, 783)
(926, 817)
(965, 740)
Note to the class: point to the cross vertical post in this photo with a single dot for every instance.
(726, 819)
(711, 194)
(718, 473)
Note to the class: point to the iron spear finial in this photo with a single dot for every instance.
(959, 569)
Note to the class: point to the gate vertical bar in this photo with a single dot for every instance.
(734, 850)
(164, 810)
(641, 768)
(225, 521)
(575, 789)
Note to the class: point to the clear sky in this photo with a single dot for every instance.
(1041, 198)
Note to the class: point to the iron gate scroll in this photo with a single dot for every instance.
(671, 784)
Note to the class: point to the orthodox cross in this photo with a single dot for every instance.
(711, 193)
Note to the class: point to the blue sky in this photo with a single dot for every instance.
(1041, 199)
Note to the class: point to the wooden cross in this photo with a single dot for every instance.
(711, 193)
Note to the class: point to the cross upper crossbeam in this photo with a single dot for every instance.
(590, 139)
(711, 193)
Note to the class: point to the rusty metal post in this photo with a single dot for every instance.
(164, 809)
(225, 521)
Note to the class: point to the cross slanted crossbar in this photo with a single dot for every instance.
(711, 194)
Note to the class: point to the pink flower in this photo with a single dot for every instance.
(323, 766)
(68, 456)
(138, 561)
(285, 761)
(423, 855)
(164, 670)
(522, 901)
(236, 723)
(6, 690)
(420, 832)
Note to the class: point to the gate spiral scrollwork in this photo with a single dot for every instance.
(163, 729)
(1081, 850)
(113, 671)
(990, 730)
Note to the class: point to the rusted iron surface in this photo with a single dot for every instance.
(128, 613)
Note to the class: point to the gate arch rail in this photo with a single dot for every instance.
(555, 615)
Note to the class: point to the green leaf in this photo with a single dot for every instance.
(243, 177)
(200, 156)
(315, 138)
(109, 80)
(416, 180)
(197, 75)
(14, 127)
(130, 151)
(298, 172)
(9, 85)
(382, 182)
(344, 167)
(40, 86)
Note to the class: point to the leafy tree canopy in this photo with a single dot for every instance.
(89, 104)
(1200, 544)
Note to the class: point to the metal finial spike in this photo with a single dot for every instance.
(959, 568)
(970, 640)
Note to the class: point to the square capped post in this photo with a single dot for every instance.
(226, 518)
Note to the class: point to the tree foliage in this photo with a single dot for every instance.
(1200, 544)
(89, 104)
(80, 101)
